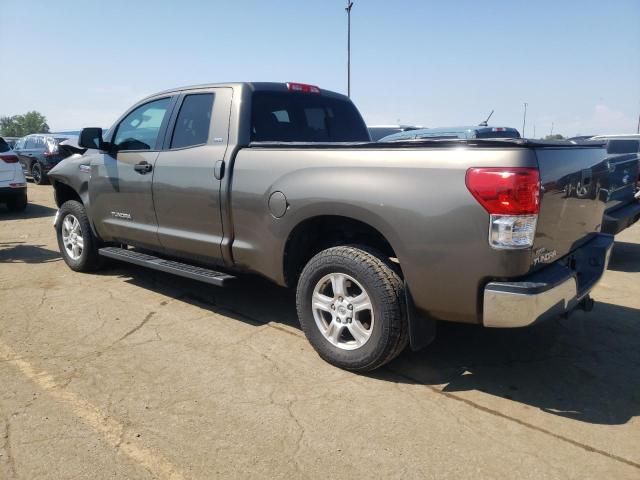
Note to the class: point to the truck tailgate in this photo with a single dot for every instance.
(574, 195)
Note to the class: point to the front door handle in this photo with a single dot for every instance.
(218, 170)
(143, 167)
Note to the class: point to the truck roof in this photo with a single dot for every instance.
(252, 86)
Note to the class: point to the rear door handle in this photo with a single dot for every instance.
(143, 167)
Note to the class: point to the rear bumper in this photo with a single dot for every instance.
(555, 290)
(617, 220)
(8, 192)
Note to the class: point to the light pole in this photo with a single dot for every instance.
(348, 9)
(524, 118)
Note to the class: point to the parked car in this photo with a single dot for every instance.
(623, 180)
(38, 153)
(281, 180)
(13, 186)
(379, 131)
(11, 141)
(579, 138)
(622, 136)
(623, 163)
(447, 133)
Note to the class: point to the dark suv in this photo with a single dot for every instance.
(39, 153)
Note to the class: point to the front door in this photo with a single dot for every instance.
(121, 202)
(186, 192)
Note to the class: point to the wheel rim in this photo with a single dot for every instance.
(72, 237)
(35, 173)
(343, 311)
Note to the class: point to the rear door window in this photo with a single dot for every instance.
(301, 117)
(194, 121)
(33, 143)
(140, 129)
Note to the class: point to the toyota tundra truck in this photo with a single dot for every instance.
(380, 241)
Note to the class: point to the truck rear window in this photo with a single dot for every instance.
(303, 117)
(507, 133)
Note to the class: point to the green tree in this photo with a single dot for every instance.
(21, 125)
(555, 136)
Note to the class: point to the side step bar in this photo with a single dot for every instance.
(177, 268)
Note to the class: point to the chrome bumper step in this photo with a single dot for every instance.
(201, 274)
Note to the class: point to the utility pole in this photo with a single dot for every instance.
(638, 129)
(348, 9)
(524, 118)
(534, 130)
(551, 134)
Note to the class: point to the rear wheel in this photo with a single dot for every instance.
(78, 245)
(38, 175)
(17, 203)
(351, 308)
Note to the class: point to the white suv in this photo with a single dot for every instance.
(13, 186)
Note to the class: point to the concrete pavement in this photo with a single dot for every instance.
(130, 373)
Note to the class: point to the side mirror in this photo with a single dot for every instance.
(91, 138)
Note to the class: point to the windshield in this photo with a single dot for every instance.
(301, 117)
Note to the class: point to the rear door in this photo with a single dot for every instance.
(121, 202)
(188, 172)
(29, 148)
(17, 149)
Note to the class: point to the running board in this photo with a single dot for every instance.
(177, 268)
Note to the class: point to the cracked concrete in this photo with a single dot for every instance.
(134, 374)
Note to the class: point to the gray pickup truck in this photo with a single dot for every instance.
(379, 240)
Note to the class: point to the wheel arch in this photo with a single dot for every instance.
(64, 192)
(316, 233)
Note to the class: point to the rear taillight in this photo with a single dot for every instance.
(511, 196)
(6, 158)
(302, 88)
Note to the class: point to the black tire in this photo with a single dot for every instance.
(389, 331)
(88, 260)
(38, 175)
(17, 203)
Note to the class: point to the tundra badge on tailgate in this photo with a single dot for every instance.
(542, 255)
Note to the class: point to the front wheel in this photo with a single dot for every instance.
(78, 245)
(351, 308)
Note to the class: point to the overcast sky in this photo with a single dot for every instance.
(434, 63)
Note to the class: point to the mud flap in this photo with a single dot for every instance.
(422, 329)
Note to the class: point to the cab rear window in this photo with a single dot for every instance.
(304, 117)
(505, 133)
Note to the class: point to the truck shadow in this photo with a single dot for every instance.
(251, 299)
(625, 257)
(33, 210)
(20, 252)
(586, 367)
